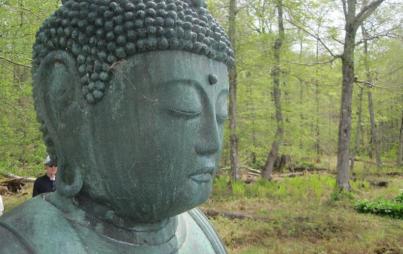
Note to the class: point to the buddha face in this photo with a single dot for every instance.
(157, 134)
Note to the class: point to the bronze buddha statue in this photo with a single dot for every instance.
(132, 97)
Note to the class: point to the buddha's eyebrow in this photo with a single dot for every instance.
(190, 82)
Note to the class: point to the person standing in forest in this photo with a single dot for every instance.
(46, 183)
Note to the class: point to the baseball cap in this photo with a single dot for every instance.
(48, 161)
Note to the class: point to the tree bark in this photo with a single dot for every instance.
(233, 96)
(301, 97)
(374, 139)
(276, 76)
(357, 131)
(317, 129)
(343, 175)
(252, 110)
(353, 22)
(400, 152)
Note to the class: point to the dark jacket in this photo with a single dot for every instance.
(43, 184)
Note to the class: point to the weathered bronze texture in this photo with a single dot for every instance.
(136, 129)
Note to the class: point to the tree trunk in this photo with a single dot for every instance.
(375, 143)
(301, 98)
(400, 152)
(353, 22)
(301, 115)
(343, 175)
(252, 110)
(317, 130)
(276, 76)
(358, 130)
(374, 138)
(233, 96)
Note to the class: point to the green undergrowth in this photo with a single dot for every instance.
(392, 208)
(305, 187)
(306, 214)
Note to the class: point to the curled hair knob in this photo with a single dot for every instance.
(198, 3)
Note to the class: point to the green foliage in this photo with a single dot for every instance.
(340, 195)
(21, 147)
(399, 198)
(238, 189)
(310, 92)
(311, 186)
(392, 208)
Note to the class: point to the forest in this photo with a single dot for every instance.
(314, 139)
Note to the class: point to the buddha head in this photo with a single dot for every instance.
(132, 97)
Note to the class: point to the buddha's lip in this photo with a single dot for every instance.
(203, 175)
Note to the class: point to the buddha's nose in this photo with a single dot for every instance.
(209, 138)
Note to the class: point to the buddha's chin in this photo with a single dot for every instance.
(159, 211)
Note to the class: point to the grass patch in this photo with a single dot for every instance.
(13, 200)
(307, 215)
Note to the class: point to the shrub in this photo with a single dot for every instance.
(339, 195)
(399, 198)
(392, 208)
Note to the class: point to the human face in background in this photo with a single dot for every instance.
(51, 171)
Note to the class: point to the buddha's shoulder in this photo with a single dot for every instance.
(32, 209)
(34, 216)
(202, 231)
(36, 225)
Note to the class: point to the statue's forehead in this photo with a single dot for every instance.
(163, 66)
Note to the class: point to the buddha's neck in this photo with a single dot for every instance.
(105, 222)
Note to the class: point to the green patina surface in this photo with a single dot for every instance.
(137, 139)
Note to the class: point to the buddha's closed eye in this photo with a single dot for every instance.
(181, 100)
(185, 113)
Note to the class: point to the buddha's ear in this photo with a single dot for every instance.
(56, 90)
(59, 102)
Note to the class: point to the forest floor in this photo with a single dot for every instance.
(296, 215)
(304, 214)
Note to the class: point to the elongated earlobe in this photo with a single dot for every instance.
(69, 180)
(56, 96)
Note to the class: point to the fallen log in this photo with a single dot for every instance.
(308, 168)
(230, 215)
(211, 213)
(379, 183)
(12, 176)
(385, 163)
(15, 183)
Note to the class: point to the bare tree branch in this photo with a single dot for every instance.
(365, 82)
(388, 34)
(15, 63)
(315, 37)
(343, 2)
(336, 40)
(366, 12)
(314, 64)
